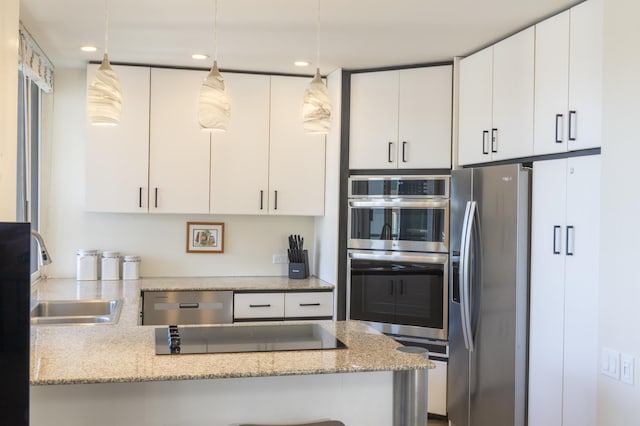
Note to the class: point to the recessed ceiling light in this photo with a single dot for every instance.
(88, 48)
(199, 56)
(301, 63)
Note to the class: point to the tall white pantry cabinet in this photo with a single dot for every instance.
(563, 334)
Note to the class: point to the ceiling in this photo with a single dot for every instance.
(269, 35)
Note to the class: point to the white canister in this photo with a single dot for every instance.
(110, 265)
(87, 265)
(131, 267)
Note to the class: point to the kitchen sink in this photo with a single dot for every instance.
(87, 312)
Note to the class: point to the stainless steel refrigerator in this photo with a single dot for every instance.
(488, 302)
(15, 292)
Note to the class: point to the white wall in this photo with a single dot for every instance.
(618, 403)
(249, 243)
(8, 107)
(326, 230)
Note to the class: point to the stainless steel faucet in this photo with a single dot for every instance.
(45, 259)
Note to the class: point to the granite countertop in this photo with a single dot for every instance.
(125, 352)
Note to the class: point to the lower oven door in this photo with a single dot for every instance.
(399, 293)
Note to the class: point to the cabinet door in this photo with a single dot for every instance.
(424, 129)
(475, 106)
(585, 75)
(373, 129)
(546, 317)
(296, 158)
(551, 85)
(240, 156)
(513, 68)
(117, 157)
(581, 291)
(179, 149)
(258, 305)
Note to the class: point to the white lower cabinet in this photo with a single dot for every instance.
(437, 386)
(563, 335)
(283, 305)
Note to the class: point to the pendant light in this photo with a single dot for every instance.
(104, 96)
(214, 109)
(316, 108)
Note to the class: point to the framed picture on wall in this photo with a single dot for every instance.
(205, 237)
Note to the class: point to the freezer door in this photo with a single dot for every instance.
(498, 363)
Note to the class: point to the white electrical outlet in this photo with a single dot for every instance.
(280, 258)
(626, 369)
(611, 363)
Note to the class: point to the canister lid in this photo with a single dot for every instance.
(131, 258)
(110, 254)
(85, 252)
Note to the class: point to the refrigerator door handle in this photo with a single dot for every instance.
(465, 264)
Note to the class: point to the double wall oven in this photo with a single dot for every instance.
(398, 235)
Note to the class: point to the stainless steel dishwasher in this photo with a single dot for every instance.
(187, 307)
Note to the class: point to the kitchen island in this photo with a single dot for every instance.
(110, 374)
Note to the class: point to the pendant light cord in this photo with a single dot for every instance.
(318, 37)
(215, 30)
(106, 26)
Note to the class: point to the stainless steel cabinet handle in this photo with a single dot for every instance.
(573, 115)
(189, 305)
(556, 237)
(268, 305)
(559, 118)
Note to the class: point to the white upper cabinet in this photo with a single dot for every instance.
(496, 101)
(117, 157)
(179, 150)
(568, 84)
(296, 158)
(401, 119)
(240, 156)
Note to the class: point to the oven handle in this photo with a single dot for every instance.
(404, 203)
(465, 265)
(434, 258)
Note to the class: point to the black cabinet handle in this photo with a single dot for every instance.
(268, 305)
(309, 304)
(389, 152)
(569, 229)
(573, 115)
(485, 136)
(156, 198)
(558, 138)
(261, 199)
(275, 200)
(494, 140)
(140, 197)
(556, 248)
(390, 287)
(189, 305)
(404, 145)
(401, 286)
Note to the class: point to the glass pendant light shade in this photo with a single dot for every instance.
(104, 96)
(316, 108)
(214, 109)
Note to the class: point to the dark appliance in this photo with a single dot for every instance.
(15, 293)
(488, 310)
(173, 340)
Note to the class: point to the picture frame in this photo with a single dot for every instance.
(205, 237)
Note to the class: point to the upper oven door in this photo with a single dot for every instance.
(399, 224)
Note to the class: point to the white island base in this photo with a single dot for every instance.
(357, 399)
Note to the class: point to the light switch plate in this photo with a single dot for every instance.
(626, 368)
(280, 258)
(611, 363)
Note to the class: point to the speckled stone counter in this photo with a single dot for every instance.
(125, 352)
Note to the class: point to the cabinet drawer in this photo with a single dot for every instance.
(258, 305)
(312, 304)
(186, 307)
